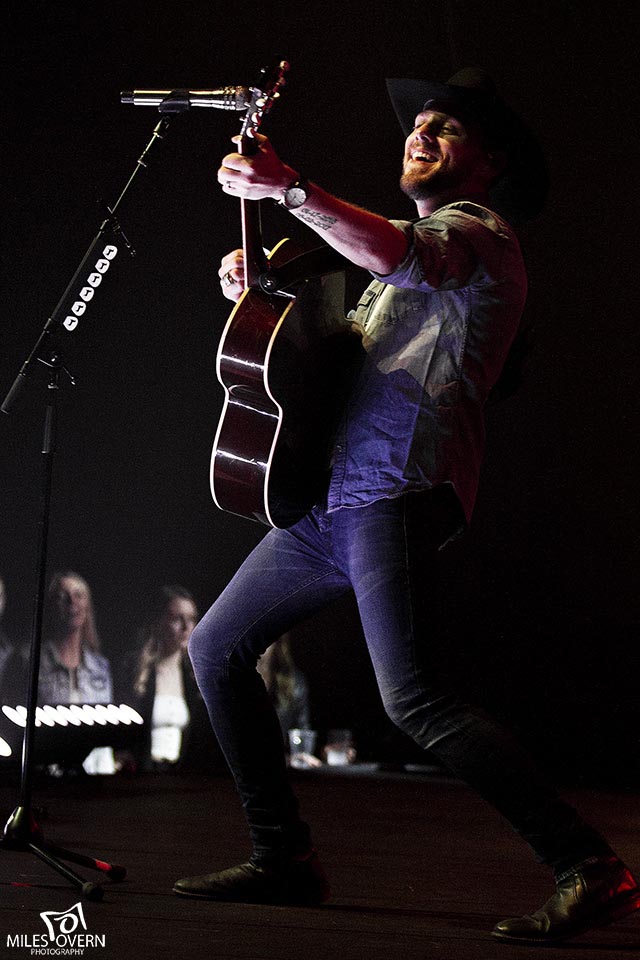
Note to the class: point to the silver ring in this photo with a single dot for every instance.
(228, 280)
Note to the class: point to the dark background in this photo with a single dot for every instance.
(539, 604)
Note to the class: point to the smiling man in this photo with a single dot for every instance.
(437, 322)
(446, 160)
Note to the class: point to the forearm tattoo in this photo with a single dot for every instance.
(320, 220)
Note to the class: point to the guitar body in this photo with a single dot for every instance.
(286, 365)
(285, 360)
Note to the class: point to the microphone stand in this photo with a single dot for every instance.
(22, 832)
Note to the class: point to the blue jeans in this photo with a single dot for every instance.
(385, 553)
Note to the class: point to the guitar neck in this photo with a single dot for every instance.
(255, 261)
(262, 98)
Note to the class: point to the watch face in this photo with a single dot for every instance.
(295, 197)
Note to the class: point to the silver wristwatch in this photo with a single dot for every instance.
(295, 195)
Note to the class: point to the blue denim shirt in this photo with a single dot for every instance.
(93, 679)
(436, 334)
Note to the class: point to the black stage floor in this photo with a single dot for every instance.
(419, 867)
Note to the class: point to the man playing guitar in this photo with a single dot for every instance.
(438, 320)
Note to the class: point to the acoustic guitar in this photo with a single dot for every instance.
(286, 359)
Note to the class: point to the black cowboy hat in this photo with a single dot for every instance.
(520, 191)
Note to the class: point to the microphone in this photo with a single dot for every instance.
(226, 98)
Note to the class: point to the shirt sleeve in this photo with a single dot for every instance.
(457, 246)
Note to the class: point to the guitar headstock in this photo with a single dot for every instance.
(263, 96)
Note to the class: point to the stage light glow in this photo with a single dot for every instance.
(68, 732)
(128, 712)
(54, 716)
(102, 712)
(13, 715)
(81, 715)
(68, 716)
(90, 710)
(42, 717)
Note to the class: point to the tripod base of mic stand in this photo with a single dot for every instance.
(22, 833)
